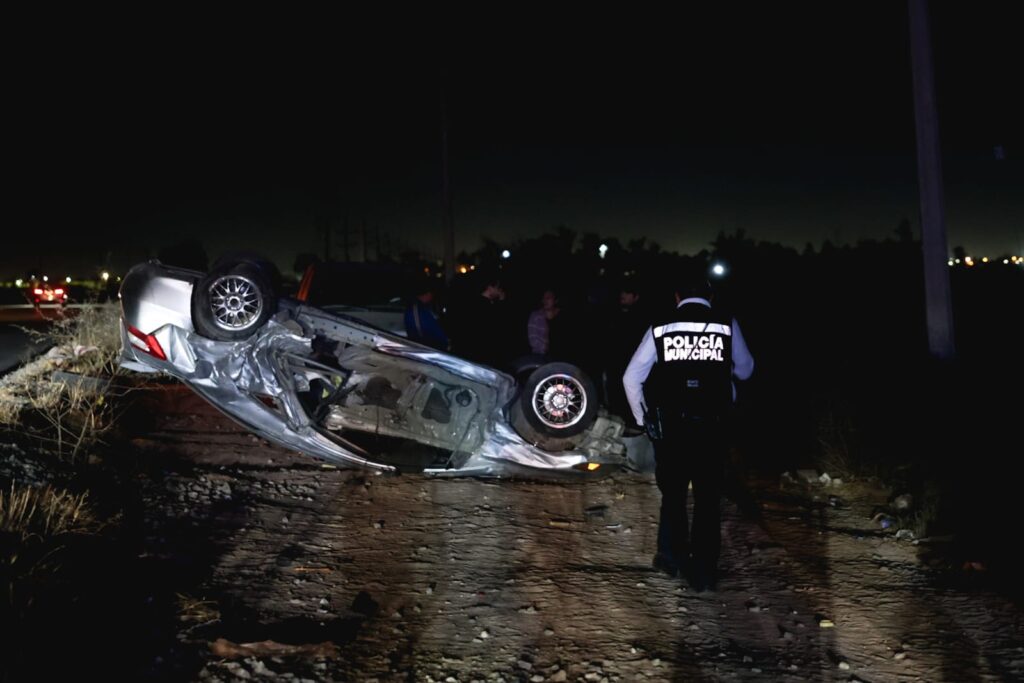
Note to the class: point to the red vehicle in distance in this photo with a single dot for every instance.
(45, 294)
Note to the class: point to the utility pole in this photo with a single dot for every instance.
(448, 221)
(938, 301)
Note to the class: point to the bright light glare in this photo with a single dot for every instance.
(46, 278)
(18, 282)
(506, 253)
(718, 269)
(104, 276)
(68, 279)
(602, 250)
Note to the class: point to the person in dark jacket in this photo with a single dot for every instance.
(679, 386)
(625, 326)
(482, 331)
(421, 323)
(538, 325)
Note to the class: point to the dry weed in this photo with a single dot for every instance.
(28, 512)
(837, 436)
(196, 610)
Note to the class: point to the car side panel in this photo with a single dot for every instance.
(153, 296)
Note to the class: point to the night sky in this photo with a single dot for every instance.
(794, 126)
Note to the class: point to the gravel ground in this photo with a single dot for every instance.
(309, 572)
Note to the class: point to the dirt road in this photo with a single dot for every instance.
(410, 578)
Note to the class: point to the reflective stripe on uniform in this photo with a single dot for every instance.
(718, 328)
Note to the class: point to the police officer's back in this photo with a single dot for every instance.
(679, 384)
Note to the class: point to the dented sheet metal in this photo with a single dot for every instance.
(231, 375)
(506, 453)
(367, 381)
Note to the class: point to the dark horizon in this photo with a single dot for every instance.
(794, 128)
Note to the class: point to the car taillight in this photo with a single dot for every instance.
(58, 291)
(37, 291)
(149, 344)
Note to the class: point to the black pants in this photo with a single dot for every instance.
(692, 451)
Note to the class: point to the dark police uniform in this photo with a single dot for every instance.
(687, 395)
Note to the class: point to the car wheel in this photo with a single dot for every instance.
(232, 302)
(555, 405)
(234, 258)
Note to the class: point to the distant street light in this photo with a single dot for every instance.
(46, 278)
(718, 269)
(602, 250)
(506, 253)
(68, 279)
(18, 282)
(104, 276)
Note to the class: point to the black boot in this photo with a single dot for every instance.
(664, 564)
(703, 577)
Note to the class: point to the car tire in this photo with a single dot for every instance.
(232, 301)
(234, 258)
(555, 405)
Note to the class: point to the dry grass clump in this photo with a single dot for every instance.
(837, 438)
(73, 420)
(67, 414)
(37, 525)
(87, 344)
(43, 512)
(91, 340)
(196, 610)
(16, 387)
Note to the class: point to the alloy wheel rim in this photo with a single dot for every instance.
(235, 302)
(559, 401)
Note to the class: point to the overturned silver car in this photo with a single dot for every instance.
(335, 388)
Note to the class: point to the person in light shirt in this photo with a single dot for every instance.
(679, 385)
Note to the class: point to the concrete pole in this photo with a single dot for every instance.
(938, 301)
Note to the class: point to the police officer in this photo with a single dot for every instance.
(679, 387)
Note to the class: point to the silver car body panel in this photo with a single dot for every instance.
(158, 296)
(366, 381)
